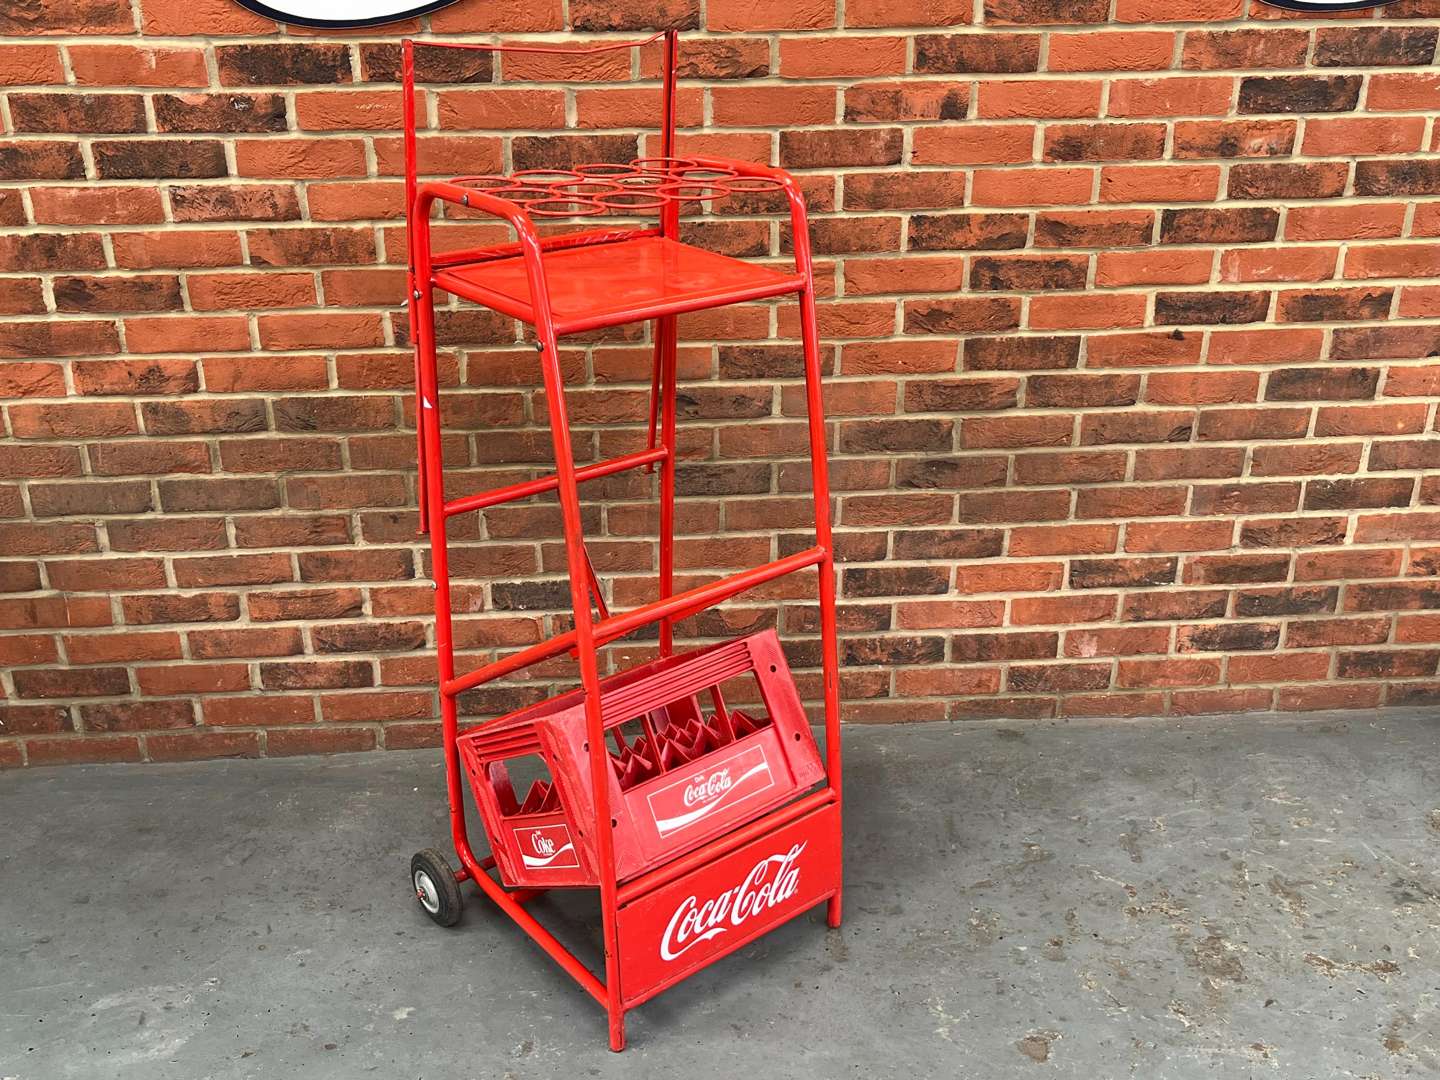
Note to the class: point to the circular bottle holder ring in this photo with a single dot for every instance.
(486, 182)
(663, 164)
(604, 170)
(546, 177)
(705, 174)
(631, 200)
(564, 206)
(685, 191)
(641, 181)
(587, 189)
(525, 194)
(751, 185)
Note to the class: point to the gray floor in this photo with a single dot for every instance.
(1233, 898)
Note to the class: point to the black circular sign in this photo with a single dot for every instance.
(341, 14)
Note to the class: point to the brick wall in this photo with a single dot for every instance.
(1127, 302)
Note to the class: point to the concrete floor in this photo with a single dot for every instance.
(1235, 898)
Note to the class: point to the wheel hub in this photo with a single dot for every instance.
(426, 892)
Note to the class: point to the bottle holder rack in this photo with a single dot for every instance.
(596, 188)
(680, 773)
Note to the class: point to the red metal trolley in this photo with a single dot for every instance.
(702, 824)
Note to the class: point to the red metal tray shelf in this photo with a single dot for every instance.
(609, 284)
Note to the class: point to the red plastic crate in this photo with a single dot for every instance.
(685, 765)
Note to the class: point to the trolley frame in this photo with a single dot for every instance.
(621, 903)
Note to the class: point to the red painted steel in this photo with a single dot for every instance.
(479, 501)
(715, 840)
(623, 282)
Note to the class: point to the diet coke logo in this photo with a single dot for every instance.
(704, 788)
(552, 847)
(769, 883)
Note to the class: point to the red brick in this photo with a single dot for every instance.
(193, 745)
(1037, 98)
(826, 57)
(1064, 381)
(71, 682)
(1234, 138)
(1087, 311)
(1169, 96)
(97, 205)
(1244, 48)
(1345, 137)
(1110, 50)
(186, 333)
(879, 102)
(1370, 419)
(1032, 187)
(125, 66)
(1328, 697)
(748, 15)
(1391, 261)
(1359, 222)
(973, 144)
(144, 251)
(1278, 264)
(1167, 673)
(1210, 702)
(31, 65)
(1178, 535)
(78, 749)
(1159, 183)
(1417, 91)
(329, 740)
(1265, 346)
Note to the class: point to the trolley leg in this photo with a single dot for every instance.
(428, 420)
(569, 493)
(666, 332)
(829, 644)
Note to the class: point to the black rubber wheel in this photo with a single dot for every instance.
(436, 890)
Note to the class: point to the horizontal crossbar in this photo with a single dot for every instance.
(481, 500)
(617, 626)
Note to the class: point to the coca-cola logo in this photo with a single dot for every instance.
(704, 788)
(689, 800)
(770, 882)
(552, 847)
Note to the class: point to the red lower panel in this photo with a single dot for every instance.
(686, 924)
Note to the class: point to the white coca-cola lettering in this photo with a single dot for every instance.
(703, 788)
(551, 844)
(691, 799)
(770, 882)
